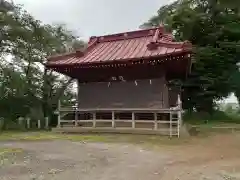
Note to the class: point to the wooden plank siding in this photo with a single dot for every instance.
(152, 94)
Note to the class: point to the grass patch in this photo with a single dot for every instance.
(110, 138)
(146, 139)
(8, 155)
(42, 136)
(4, 151)
(150, 140)
(217, 117)
(211, 128)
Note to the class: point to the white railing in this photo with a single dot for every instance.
(171, 125)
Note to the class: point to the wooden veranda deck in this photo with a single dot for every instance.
(120, 120)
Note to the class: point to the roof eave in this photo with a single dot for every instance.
(184, 51)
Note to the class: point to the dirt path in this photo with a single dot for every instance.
(217, 158)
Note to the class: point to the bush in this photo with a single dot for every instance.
(204, 117)
(1, 124)
(11, 125)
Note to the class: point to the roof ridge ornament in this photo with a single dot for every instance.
(161, 27)
(156, 35)
(153, 44)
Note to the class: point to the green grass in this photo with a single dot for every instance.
(110, 138)
(8, 155)
(153, 140)
(41, 136)
(4, 151)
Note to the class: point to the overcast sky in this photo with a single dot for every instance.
(94, 17)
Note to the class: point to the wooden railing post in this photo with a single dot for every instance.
(155, 121)
(133, 120)
(179, 102)
(94, 119)
(179, 115)
(170, 124)
(113, 119)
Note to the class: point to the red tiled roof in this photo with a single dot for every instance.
(135, 45)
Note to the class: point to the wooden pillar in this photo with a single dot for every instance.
(179, 123)
(94, 119)
(170, 125)
(113, 119)
(155, 121)
(179, 114)
(179, 102)
(133, 120)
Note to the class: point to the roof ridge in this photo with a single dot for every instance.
(127, 35)
(133, 31)
(60, 56)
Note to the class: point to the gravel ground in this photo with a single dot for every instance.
(217, 158)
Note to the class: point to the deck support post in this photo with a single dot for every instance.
(179, 124)
(179, 102)
(94, 119)
(155, 121)
(170, 128)
(113, 119)
(133, 120)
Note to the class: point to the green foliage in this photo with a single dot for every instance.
(213, 27)
(206, 118)
(26, 87)
(235, 80)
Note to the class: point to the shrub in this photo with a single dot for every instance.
(216, 116)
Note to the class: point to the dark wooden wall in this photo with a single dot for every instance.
(143, 94)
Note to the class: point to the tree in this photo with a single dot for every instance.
(213, 27)
(235, 81)
(25, 82)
